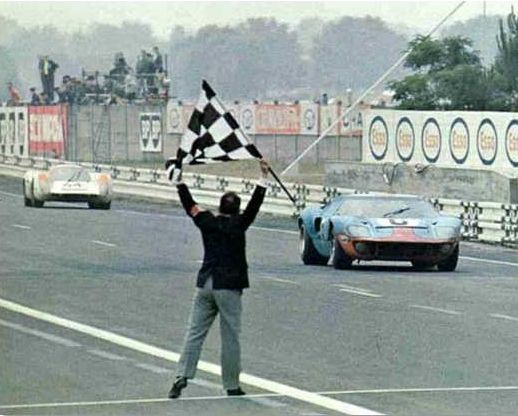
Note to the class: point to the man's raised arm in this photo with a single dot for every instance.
(188, 203)
(252, 208)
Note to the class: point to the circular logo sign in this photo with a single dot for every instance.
(247, 118)
(459, 140)
(309, 119)
(487, 142)
(378, 138)
(405, 139)
(174, 118)
(511, 142)
(431, 140)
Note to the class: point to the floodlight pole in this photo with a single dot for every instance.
(369, 90)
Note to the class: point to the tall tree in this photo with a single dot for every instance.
(506, 63)
(353, 53)
(448, 75)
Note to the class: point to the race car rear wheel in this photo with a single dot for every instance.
(308, 252)
(449, 264)
(339, 259)
(99, 205)
(26, 201)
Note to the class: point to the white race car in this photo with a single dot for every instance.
(67, 183)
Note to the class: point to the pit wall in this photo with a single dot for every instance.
(426, 180)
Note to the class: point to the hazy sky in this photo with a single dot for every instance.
(73, 15)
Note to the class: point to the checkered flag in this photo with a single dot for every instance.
(213, 135)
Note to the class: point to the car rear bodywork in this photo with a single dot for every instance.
(68, 183)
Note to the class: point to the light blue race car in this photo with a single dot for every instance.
(374, 227)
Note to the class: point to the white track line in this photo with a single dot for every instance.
(48, 337)
(422, 390)
(250, 396)
(506, 317)
(505, 263)
(103, 243)
(153, 368)
(431, 308)
(262, 383)
(130, 401)
(357, 292)
(105, 354)
(21, 227)
(277, 279)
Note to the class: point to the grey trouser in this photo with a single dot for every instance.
(206, 305)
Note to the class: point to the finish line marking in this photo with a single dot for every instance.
(256, 396)
(259, 382)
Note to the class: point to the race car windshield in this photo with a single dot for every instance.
(380, 207)
(70, 174)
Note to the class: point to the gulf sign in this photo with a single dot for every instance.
(450, 139)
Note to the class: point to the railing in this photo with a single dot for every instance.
(482, 221)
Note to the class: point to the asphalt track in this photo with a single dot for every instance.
(93, 307)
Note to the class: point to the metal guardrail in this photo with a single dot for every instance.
(482, 221)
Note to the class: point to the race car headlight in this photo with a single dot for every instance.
(358, 231)
(446, 232)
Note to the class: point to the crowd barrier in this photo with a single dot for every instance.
(482, 221)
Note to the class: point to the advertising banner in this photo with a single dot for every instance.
(277, 118)
(445, 138)
(328, 114)
(14, 131)
(309, 118)
(150, 132)
(174, 120)
(47, 130)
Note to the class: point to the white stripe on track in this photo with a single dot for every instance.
(504, 263)
(357, 292)
(103, 243)
(262, 383)
(21, 227)
(40, 334)
(431, 308)
(250, 396)
(277, 279)
(107, 355)
(506, 317)
(422, 390)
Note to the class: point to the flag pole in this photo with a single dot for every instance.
(368, 91)
(276, 177)
(281, 185)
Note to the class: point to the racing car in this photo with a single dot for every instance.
(67, 183)
(379, 227)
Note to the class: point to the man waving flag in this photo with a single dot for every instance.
(212, 135)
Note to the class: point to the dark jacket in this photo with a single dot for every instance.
(223, 241)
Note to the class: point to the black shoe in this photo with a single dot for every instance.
(236, 392)
(179, 384)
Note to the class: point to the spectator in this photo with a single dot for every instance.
(158, 62)
(35, 97)
(47, 68)
(14, 95)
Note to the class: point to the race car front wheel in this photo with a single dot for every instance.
(308, 252)
(339, 259)
(449, 264)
